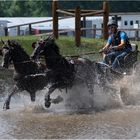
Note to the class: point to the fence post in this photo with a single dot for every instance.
(77, 26)
(84, 26)
(94, 30)
(105, 19)
(136, 35)
(18, 30)
(55, 18)
(6, 31)
(30, 29)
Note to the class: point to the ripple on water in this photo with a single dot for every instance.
(68, 119)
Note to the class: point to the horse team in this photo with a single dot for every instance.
(58, 72)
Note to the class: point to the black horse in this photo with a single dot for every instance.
(59, 74)
(28, 75)
(64, 73)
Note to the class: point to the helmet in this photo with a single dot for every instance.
(110, 23)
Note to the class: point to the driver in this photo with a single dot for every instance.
(117, 46)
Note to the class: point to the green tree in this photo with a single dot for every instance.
(124, 6)
(40, 8)
(19, 8)
(4, 5)
(43, 8)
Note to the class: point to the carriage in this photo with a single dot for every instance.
(127, 64)
(129, 61)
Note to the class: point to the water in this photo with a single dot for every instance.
(105, 115)
(111, 124)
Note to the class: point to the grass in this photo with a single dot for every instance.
(67, 45)
(25, 41)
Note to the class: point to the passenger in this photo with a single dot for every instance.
(117, 46)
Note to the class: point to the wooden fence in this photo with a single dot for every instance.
(94, 30)
(29, 25)
(78, 13)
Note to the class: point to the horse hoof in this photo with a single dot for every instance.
(47, 104)
(6, 107)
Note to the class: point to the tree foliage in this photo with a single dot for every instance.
(25, 8)
(41, 8)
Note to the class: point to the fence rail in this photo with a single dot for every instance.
(93, 30)
(132, 33)
(30, 25)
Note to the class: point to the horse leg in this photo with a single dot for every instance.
(7, 101)
(47, 96)
(32, 95)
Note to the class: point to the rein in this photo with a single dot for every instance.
(23, 62)
(73, 56)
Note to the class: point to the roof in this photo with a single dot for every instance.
(63, 23)
(2, 20)
(124, 13)
(67, 23)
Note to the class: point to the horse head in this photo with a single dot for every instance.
(12, 51)
(6, 53)
(45, 47)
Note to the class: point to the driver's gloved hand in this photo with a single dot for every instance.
(115, 48)
(103, 50)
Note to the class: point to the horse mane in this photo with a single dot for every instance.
(17, 47)
(52, 46)
(14, 44)
(21, 60)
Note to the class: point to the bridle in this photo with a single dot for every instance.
(9, 48)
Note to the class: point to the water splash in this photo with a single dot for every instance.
(31, 120)
(120, 93)
(130, 89)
